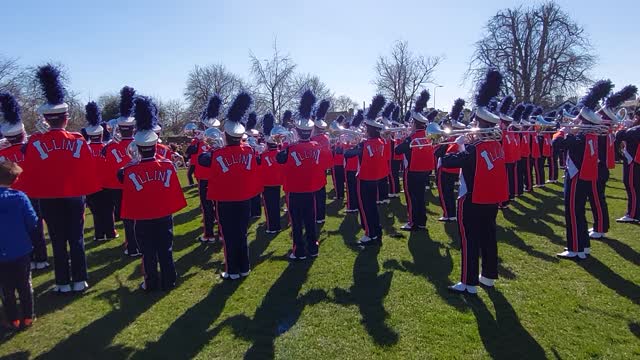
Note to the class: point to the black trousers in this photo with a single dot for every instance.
(414, 190)
(369, 217)
(338, 180)
(302, 216)
(394, 177)
(156, 242)
(446, 188)
(115, 197)
(65, 221)
(39, 253)
(598, 201)
(562, 158)
(208, 209)
(631, 180)
(103, 221)
(477, 227)
(512, 177)
(524, 175)
(271, 200)
(321, 203)
(15, 276)
(383, 189)
(553, 166)
(256, 206)
(233, 222)
(539, 165)
(428, 178)
(190, 171)
(352, 191)
(575, 199)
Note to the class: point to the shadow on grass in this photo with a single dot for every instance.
(368, 292)
(610, 279)
(625, 251)
(504, 337)
(634, 327)
(535, 221)
(18, 356)
(509, 236)
(190, 330)
(279, 311)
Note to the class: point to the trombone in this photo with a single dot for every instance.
(599, 130)
(439, 135)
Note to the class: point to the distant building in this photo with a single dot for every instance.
(332, 115)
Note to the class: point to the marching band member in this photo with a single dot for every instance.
(13, 130)
(61, 193)
(338, 174)
(162, 150)
(396, 159)
(446, 177)
(191, 153)
(631, 169)
(547, 150)
(351, 166)
(418, 161)
(207, 206)
(524, 165)
(235, 179)
(320, 136)
(511, 144)
(383, 186)
(250, 127)
(305, 164)
(116, 156)
(151, 194)
(556, 157)
(606, 162)
(537, 162)
(373, 159)
(272, 178)
(582, 172)
(483, 185)
(99, 202)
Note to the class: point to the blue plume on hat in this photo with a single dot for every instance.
(322, 109)
(457, 108)
(306, 104)
(267, 123)
(145, 112)
(432, 115)
(489, 88)
(49, 77)
(239, 107)
(212, 111)
(10, 108)
(528, 109)
(597, 92)
(407, 116)
(252, 120)
(517, 113)
(377, 103)
(357, 120)
(627, 93)
(395, 115)
(421, 101)
(388, 109)
(93, 114)
(286, 117)
(340, 119)
(126, 101)
(505, 105)
(537, 111)
(493, 105)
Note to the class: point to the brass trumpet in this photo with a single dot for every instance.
(438, 135)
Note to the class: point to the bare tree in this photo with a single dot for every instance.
(402, 74)
(10, 73)
(541, 52)
(204, 81)
(110, 106)
(344, 103)
(273, 79)
(174, 115)
(304, 82)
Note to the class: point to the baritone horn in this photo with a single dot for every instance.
(438, 135)
(280, 135)
(340, 134)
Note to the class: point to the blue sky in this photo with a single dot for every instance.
(152, 45)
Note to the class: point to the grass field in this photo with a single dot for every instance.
(390, 303)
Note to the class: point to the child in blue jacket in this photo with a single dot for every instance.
(17, 221)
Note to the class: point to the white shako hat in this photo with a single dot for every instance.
(616, 99)
(49, 78)
(419, 106)
(505, 108)
(10, 120)
(387, 114)
(487, 90)
(146, 115)
(590, 101)
(371, 117)
(94, 118)
(126, 118)
(321, 113)
(303, 118)
(232, 124)
(211, 113)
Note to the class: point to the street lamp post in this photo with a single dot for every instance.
(434, 94)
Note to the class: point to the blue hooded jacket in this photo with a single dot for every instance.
(18, 222)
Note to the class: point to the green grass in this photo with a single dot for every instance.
(352, 304)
